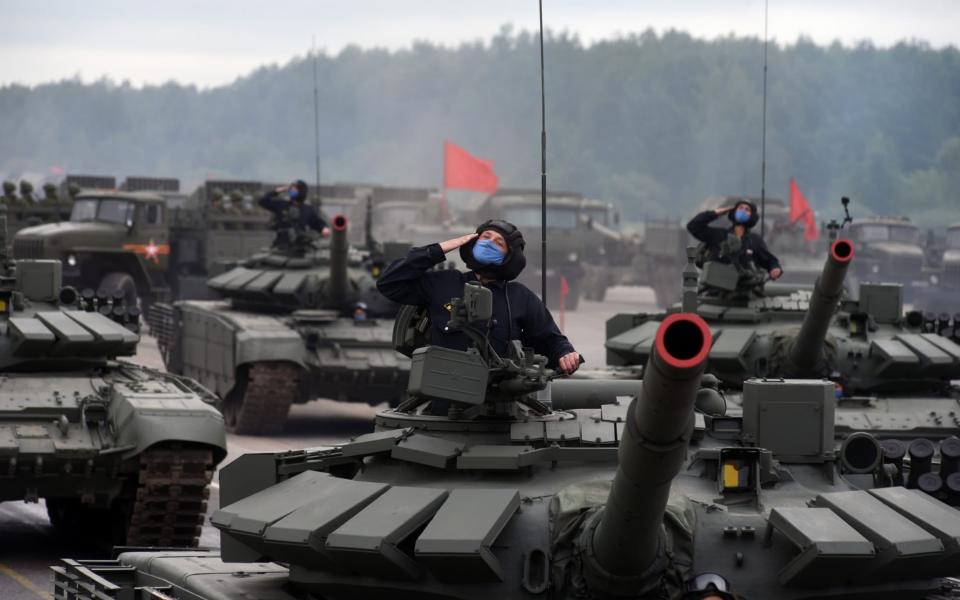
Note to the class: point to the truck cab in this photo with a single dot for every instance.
(114, 241)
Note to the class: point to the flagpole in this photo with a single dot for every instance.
(763, 143)
(543, 172)
(316, 122)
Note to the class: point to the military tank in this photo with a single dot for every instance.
(893, 370)
(294, 324)
(120, 453)
(509, 496)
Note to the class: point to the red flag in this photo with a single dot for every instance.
(461, 170)
(800, 211)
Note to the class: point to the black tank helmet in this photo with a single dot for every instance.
(512, 265)
(754, 214)
(302, 190)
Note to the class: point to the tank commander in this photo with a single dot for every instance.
(495, 256)
(708, 586)
(295, 217)
(743, 216)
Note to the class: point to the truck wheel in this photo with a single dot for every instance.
(112, 282)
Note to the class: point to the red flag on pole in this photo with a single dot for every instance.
(800, 211)
(462, 170)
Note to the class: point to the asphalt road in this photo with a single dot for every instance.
(29, 545)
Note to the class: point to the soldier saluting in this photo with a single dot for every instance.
(743, 216)
(294, 215)
(495, 256)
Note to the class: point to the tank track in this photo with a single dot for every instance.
(265, 399)
(170, 503)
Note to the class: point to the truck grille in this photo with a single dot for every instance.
(27, 248)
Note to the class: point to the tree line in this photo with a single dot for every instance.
(652, 122)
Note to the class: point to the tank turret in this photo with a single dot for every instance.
(807, 347)
(626, 551)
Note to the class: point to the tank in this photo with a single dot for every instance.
(868, 344)
(120, 453)
(293, 325)
(504, 496)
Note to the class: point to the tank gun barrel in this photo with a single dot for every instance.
(808, 345)
(337, 282)
(626, 543)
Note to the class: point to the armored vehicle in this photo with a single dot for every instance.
(567, 244)
(120, 453)
(506, 496)
(293, 325)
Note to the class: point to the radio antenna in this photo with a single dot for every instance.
(316, 122)
(763, 143)
(543, 172)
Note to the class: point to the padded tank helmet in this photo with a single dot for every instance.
(754, 214)
(512, 265)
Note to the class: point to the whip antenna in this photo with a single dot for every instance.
(543, 172)
(316, 122)
(763, 143)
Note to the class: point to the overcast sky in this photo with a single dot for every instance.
(212, 42)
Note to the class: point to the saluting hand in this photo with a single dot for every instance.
(455, 243)
(723, 209)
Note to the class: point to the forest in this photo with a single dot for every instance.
(652, 122)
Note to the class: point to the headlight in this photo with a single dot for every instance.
(875, 269)
(572, 256)
(72, 260)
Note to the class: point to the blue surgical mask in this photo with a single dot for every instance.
(741, 216)
(293, 193)
(487, 253)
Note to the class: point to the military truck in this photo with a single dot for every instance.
(522, 207)
(121, 454)
(611, 256)
(506, 496)
(889, 249)
(151, 244)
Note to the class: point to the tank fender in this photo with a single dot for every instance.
(164, 413)
(284, 345)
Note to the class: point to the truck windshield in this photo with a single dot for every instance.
(888, 233)
(107, 210)
(529, 217)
